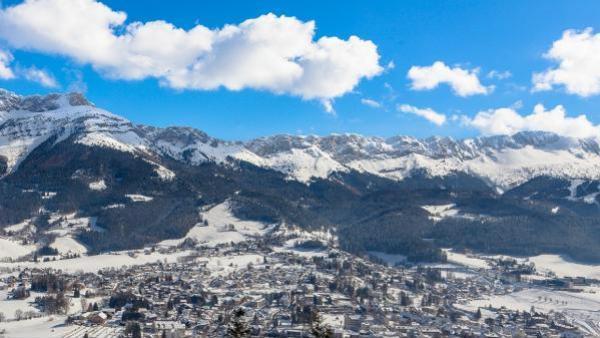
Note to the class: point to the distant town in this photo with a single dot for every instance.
(285, 285)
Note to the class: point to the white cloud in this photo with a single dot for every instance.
(426, 113)
(371, 103)
(6, 73)
(578, 56)
(39, 76)
(507, 121)
(499, 75)
(463, 82)
(273, 53)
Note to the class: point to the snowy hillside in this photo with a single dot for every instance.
(220, 226)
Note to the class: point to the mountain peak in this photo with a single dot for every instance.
(10, 101)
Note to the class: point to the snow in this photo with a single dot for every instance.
(46, 195)
(581, 307)
(9, 306)
(502, 161)
(198, 152)
(439, 212)
(22, 131)
(46, 327)
(114, 206)
(573, 188)
(122, 140)
(224, 265)
(590, 198)
(139, 198)
(16, 150)
(77, 331)
(19, 226)
(164, 173)
(221, 227)
(502, 167)
(297, 235)
(68, 244)
(542, 300)
(13, 249)
(97, 185)
(563, 267)
(65, 224)
(448, 274)
(333, 321)
(103, 261)
(466, 260)
(304, 164)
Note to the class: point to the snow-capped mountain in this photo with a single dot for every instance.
(76, 177)
(502, 161)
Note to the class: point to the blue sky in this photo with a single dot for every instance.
(501, 36)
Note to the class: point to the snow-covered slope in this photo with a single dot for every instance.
(220, 226)
(27, 122)
(502, 161)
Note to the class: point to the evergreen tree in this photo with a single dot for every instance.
(134, 330)
(237, 326)
(317, 328)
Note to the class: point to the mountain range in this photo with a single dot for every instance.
(62, 158)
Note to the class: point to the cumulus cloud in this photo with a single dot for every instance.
(274, 53)
(40, 76)
(463, 82)
(507, 121)
(426, 113)
(578, 56)
(6, 73)
(371, 103)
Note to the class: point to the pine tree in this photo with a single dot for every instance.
(478, 314)
(133, 330)
(317, 328)
(237, 326)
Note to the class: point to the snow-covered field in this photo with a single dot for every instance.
(221, 226)
(64, 224)
(8, 307)
(14, 249)
(103, 261)
(297, 236)
(19, 226)
(581, 307)
(562, 267)
(68, 244)
(470, 261)
(224, 265)
(44, 327)
(542, 300)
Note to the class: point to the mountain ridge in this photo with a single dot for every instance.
(80, 175)
(504, 161)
